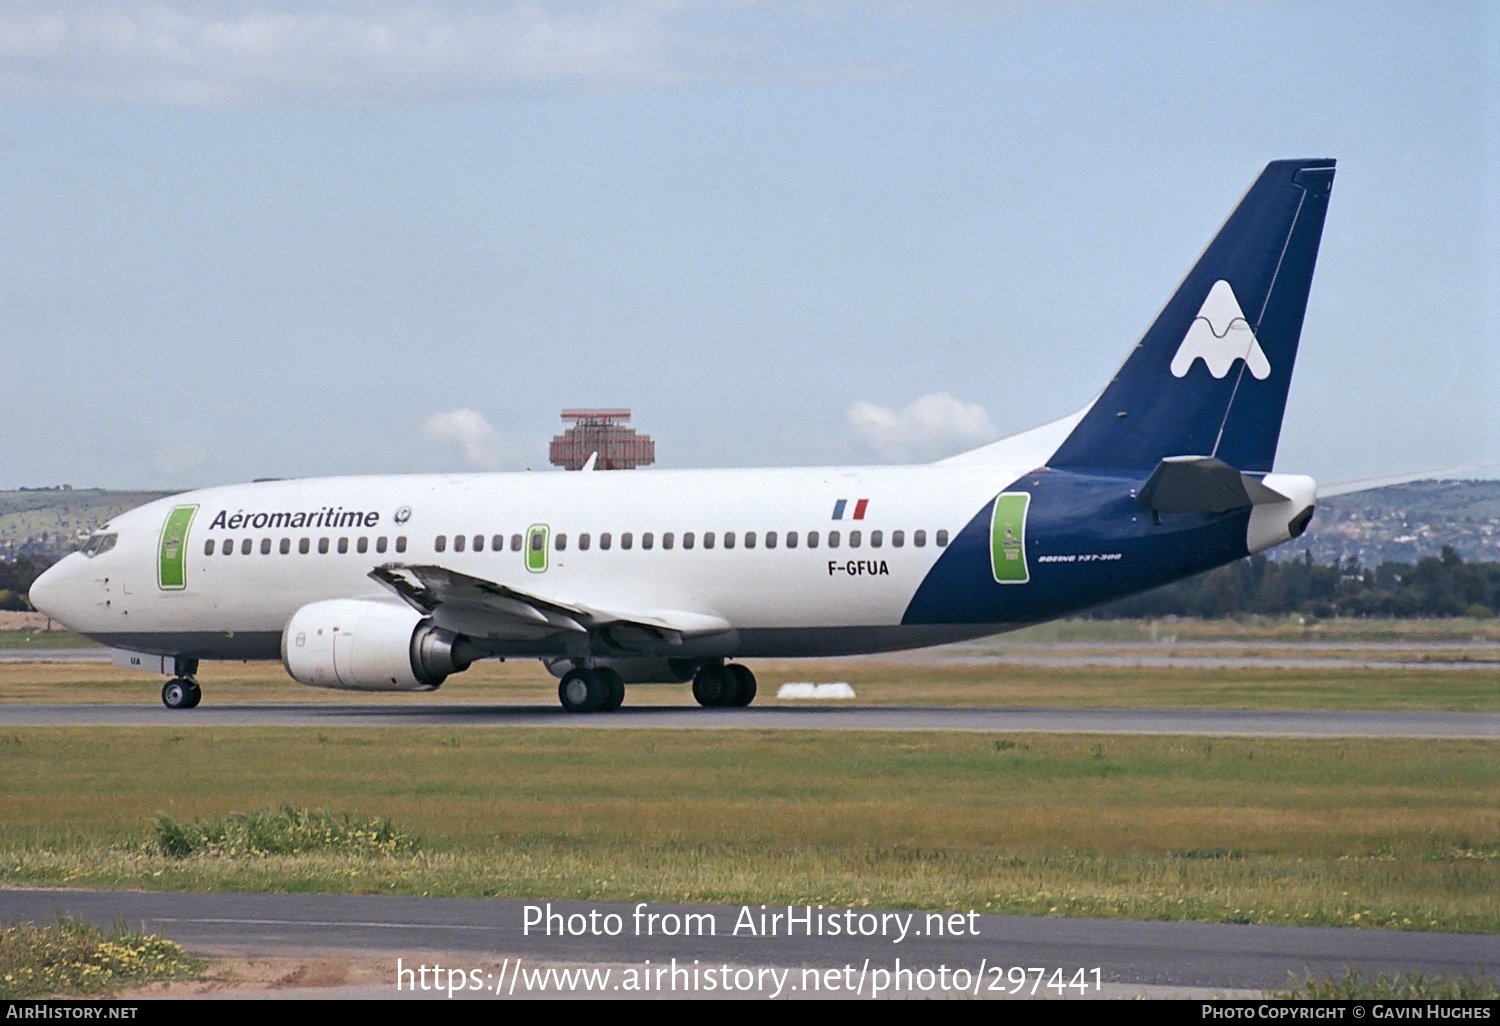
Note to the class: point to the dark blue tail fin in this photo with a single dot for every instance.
(1210, 377)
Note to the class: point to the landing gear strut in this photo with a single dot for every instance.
(724, 685)
(181, 693)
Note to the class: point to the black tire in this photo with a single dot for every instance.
(582, 691)
(614, 686)
(745, 684)
(177, 693)
(195, 695)
(711, 685)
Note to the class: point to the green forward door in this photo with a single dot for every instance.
(171, 563)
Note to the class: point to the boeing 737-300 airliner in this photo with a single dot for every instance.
(394, 583)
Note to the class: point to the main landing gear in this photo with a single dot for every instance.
(586, 689)
(181, 693)
(591, 690)
(722, 685)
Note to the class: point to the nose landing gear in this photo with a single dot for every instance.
(181, 693)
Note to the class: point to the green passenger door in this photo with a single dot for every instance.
(171, 564)
(1008, 538)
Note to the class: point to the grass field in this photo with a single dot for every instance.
(1392, 833)
(874, 682)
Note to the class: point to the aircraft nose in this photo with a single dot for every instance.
(49, 592)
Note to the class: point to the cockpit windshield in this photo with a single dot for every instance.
(100, 543)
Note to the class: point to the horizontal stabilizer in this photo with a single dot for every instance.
(1201, 484)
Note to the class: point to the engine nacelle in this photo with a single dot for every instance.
(363, 645)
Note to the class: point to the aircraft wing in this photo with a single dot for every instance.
(486, 610)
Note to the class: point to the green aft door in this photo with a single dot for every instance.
(1008, 538)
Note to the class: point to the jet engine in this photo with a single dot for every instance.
(364, 645)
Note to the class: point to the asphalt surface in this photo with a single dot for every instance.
(1225, 723)
(1132, 952)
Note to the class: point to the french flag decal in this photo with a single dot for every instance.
(859, 508)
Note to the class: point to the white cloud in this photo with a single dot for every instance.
(928, 427)
(180, 53)
(176, 460)
(482, 446)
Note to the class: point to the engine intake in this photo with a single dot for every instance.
(365, 645)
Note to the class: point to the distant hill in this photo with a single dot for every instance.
(1402, 523)
(54, 522)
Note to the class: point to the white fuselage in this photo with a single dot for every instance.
(820, 583)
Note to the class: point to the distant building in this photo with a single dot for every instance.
(601, 431)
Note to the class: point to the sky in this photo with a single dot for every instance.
(251, 239)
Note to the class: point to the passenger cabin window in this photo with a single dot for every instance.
(303, 545)
(627, 540)
(833, 539)
(286, 546)
(708, 539)
(343, 546)
(497, 543)
(583, 542)
(770, 539)
(459, 543)
(791, 539)
(687, 539)
(228, 549)
(479, 543)
(515, 543)
(440, 543)
(749, 539)
(668, 540)
(854, 539)
(919, 539)
(208, 548)
(400, 543)
(560, 542)
(647, 540)
(265, 546)
(812, 539)
(606, 540)
(729, 539)
(942, 539)
(362, 546)
(322, 546)
(246, 546)
(877, 539)
(898, 539)
(538, 540)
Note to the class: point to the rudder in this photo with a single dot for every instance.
(1210, 377)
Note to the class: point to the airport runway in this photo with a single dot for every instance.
(1130, 952)
(1217, 722)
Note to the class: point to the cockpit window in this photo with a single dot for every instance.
(100, 543)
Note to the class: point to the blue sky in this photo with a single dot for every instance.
(248, 239)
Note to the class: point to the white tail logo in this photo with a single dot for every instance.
(1221, 335)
